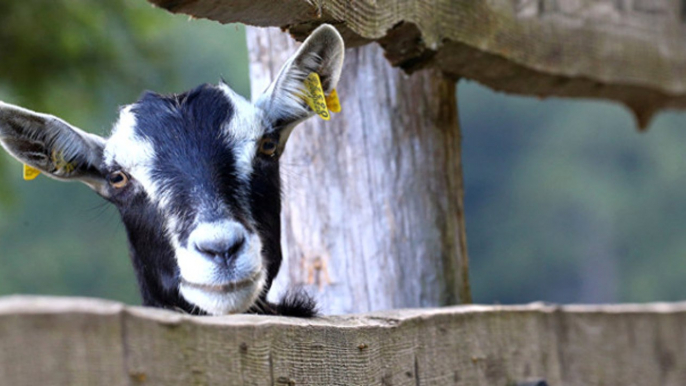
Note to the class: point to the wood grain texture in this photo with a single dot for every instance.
(373, 213)
(68, 341)
(631, 51)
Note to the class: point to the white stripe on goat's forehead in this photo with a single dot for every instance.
(125, 147)
(243, 131)
(130, 151)
(246, 122)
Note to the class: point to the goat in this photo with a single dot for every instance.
(195, 177)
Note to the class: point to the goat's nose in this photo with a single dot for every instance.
(220, 243)
(221, 249)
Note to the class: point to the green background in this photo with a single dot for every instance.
(565, 200)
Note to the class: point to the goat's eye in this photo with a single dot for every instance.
(268, 146)
(118, 179)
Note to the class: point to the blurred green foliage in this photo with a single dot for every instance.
(70, 44)
(565, 201)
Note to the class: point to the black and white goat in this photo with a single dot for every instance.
(195, 177)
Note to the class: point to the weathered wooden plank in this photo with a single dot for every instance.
(631, 51)
(62, 341)
(46, 341)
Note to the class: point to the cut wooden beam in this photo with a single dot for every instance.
(63, 341)
(631, 51)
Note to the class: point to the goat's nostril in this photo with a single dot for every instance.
(237, 245)
(222, 250)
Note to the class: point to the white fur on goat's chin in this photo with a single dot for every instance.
(229, 302)
(225, 303)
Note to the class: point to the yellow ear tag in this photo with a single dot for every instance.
(333, 103)
(314, 96)
(30, 173)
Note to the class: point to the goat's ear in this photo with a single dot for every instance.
(51, 145)
(283, 102)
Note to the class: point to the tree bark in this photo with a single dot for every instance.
(373, 200)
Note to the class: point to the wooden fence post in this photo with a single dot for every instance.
(373, 214)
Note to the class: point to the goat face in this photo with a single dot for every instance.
(195, 177)
(206, 161)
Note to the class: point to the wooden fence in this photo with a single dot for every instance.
(69, 341)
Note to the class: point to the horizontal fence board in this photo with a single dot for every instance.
(631, 51)
(72, 341)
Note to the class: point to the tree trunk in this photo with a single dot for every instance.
(372, 212)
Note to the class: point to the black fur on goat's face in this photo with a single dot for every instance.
(203, 192)
(195, 177)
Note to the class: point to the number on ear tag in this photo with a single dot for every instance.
(314, 96)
